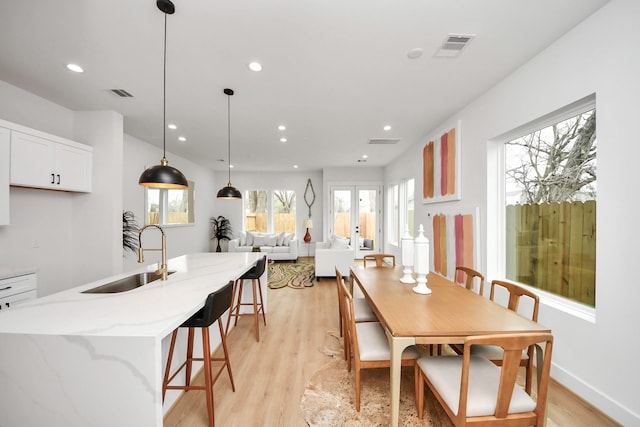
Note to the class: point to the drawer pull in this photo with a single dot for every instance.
(4, 289)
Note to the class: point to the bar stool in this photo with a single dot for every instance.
(217, 303)
(253, 274)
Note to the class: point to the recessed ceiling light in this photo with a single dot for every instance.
(364, 156)
(182, 138)
(172, 126)
(282, 127)
(283, 139)
(387, 127)
(75, 68)
(295, 166)
(231, 166)
(255, 66)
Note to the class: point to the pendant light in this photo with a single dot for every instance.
(229, 191)
(163, 175)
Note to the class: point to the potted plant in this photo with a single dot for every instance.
(220, 230)
(129, 232)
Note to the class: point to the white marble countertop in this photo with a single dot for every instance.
(152, 310)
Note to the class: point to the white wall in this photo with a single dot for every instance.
(139, 155)
(595, 360)
(78, 236)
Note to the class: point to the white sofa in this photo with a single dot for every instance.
(330, 255)
(277, 246)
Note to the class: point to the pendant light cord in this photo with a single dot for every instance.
(229, 135)
(164, 92)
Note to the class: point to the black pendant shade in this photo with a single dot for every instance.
(229, 191)
(163, 175)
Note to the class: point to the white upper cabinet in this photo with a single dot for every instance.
(4, 175)
(55, 165)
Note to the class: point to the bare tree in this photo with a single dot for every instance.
(557, 163)
(287, 200)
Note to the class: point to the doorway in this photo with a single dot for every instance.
(355, 213)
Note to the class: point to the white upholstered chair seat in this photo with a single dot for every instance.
(362, 311)
(373, 343)
(445, 374)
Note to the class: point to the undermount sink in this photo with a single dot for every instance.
(126, 284)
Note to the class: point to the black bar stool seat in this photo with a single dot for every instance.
(215, 306)
(254, 275)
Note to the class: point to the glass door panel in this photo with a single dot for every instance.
(367, 228)
(355, 214)
(342, 213)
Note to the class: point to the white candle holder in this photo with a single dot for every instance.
(421, 262)
(406, 243)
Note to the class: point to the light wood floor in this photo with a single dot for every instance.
(270, 376)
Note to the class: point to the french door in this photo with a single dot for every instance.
(355, 213)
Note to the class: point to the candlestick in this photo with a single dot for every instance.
(406, 243)
(421, 262)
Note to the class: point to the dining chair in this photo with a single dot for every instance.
(472, 389)
(380, 259)
(515, 294)
(215, 306)
(369, 344)
(469, 275)
(257, 303)
(362, 310)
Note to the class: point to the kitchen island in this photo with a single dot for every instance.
(81, 359)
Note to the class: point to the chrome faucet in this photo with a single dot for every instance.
(162, 270)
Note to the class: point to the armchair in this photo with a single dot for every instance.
(327, 259)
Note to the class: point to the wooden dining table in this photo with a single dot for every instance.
(447, 315)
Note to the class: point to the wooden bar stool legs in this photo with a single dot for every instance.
(257, 303)
(217, 303)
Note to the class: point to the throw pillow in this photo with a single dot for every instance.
(260, 240)
(249, 241)
(243, 238)
(287, 239)
(339, 243)
(272, 240)
(280, 240)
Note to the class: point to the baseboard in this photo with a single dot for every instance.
(604, 403)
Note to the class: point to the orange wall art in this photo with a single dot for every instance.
(441, 167)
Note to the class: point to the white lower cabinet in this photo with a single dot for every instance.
(42, 163)
(4, 175)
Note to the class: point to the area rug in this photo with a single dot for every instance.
(329, 397)
(294, 275)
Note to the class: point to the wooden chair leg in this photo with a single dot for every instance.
(223, 338)
(264, 318)
(233, 305)
(208, 380)
(239, 305)
(255, 309)
(357, 388)
(420, 392)
(167, 371)
(189, 357)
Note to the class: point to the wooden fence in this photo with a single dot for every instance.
(552, 246)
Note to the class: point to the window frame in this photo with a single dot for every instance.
(163, 206)
(496, 203)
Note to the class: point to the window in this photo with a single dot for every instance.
(394, 214)
(410, 208)
(284, 211)
(255, 211)
(550, 201)
(277, 216)
(170, 206)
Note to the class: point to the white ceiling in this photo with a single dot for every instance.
(335, 71)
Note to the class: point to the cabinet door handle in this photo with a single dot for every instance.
(53, 178)
(58, 179)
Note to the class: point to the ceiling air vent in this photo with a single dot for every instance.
(122, 93)
(453, 45)
(383, 141)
